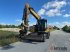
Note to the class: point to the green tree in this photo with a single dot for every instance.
(0, 26)
(65, 28)
(55, 28)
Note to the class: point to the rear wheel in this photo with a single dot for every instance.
(48, 34)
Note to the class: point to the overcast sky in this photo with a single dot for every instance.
(57, 12)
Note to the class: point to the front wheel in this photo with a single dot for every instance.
(43, 37)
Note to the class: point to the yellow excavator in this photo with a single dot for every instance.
(39, 31)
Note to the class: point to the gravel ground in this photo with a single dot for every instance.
(57, 38)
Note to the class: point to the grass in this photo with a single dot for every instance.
(7, 37)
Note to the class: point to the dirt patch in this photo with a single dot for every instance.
(10, 29)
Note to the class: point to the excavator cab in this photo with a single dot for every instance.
(42, 25)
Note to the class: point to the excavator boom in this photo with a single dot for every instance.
(27, 11)
(32, 11)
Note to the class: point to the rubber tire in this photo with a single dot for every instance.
(44, 37)
(48, 34)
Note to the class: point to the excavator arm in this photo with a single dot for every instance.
(32, 11)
